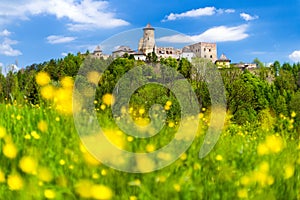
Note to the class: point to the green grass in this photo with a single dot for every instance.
(217, 176)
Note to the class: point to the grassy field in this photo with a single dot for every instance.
(42, 158)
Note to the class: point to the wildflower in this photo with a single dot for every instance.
(274, 143)
(35, 135)
(177, 187)
(169, 103)
(49, 194)
(145, 164)
(166, 107)
(44, 174)
(19, 117)
(27, 136)
(101, 192)
(90, 159)
(171, 124)
(183, 156)
(67, 82)
(133, 198)
(62, 162)
(201, 115)
(83, 188)
(42, 78)
(95, 176)
(293, 114)
(242, 193)
(108, 99)
(42, 126)
(161, 179)
(2, 132)
(28, 165)
(9, 150)
(130, 138)
(2, 177)
(289, 170)
(48, 92)
(103, 172)
(219, 157)
(245, 180)
(150, 148)
(15, 182)
(102, 107)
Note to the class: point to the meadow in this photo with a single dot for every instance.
(43, 157)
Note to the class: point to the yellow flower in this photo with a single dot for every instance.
(28, 165)
(83, 188)
(67, 82)
(245, 180)
(171, 124)
(103, 172)
(108, 99)
(133, 198)
(101, 192)
(44, 174)
(262, 149)
(183, 156)
(42, 126)
(42, 78)
(166, 107)
(141, 111)
(150, 148)
(168, 103)
(90, 159)
(274, 143)
(289, 170)
(48, 92)
(242, 193)
(49, 194)
(219, 157)
(35, 135)
(62, 162)
(9, 150)
(177, 187)
(2, 177)
(293, 114)
(15, 182)
(135, 182)
(2, 132)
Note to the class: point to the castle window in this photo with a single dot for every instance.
(170, 52)
(211, 56)
(204, 49)
(167, 52)
(209, 50)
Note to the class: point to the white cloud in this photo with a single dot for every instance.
(82, 14)
(295, 56)
(5, 33)
(7, 49)
(207, 11)
(215, 34)
(58, 39)
(248, 17)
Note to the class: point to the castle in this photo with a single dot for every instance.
(147, 46)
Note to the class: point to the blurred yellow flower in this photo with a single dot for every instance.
(274, 143)
(35, 135)
(2, 176)
(10, 150)
(101, 192)
(15, 182)
(28, 165)
(83, 188)
(168, 103)
(42, 78)
(293, 114)
(183, 156)
(219, 157)
(135, 182)
(103, 172)
(49, 194)
(62, 162)
(48, 92)
(42, 126)
(289, 170)
(44, 174)
(108, 99)
(67, 82)
(133, 198)
(2, 132)
(171, 124)
(90, 159)
(177, 187)
(150, 147)
(245, 180)
(242, 193)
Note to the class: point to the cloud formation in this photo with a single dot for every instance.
(82, 14)
(7, 49)
(215, 34)
(207, 11)
(58, 39)
(295, 56)
(248, 17)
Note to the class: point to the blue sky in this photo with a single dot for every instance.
(34, 31)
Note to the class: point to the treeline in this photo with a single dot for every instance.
(255, 95)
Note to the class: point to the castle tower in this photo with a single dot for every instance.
(147, 42)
